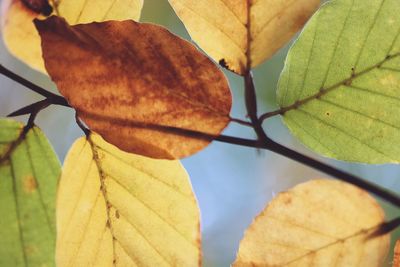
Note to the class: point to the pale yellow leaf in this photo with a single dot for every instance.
(120, 209)
(22, 39)
(243, 33)
(321, 223)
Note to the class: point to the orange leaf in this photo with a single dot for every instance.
(396, 256)
(19, 33)
(137, 85)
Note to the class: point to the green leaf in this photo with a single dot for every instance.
(340, 86)
(29, 171)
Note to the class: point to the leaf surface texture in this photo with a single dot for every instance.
(137, 85)
(243, 33)
(29, 172)
(120, 209)
(321, 223)
(22, 39)
(341, 82)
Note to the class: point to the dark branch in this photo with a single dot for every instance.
(386, 228)
(55, 99)
(334, 172)
(35, 107)
(242, 122)
(251, 106)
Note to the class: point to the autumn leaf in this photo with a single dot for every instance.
(341, 81)
(120, 209)
(21, 37)
(137, 85)
(396, 256)
(318, 223)
(241, 34)
(29, 172)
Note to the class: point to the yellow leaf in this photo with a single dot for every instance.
(396, 256)
(243, 33)
(137, 85)
(319, 223)
(22, 39)
(120, 209)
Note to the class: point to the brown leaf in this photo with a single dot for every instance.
(21, 37)
(396, 256)
(137, 85)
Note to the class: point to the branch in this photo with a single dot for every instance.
(266, 143)
(54, 98)
(263, 142)
(251, 106)
(267, 115)
(242, 122)
(334, 172)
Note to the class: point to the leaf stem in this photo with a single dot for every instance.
(251, 106)
(268, 115)
(242, 122)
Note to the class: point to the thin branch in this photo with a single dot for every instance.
(251, 106)
(334, 172)
(268, 115)
(40, 105)
(242, 122)
(56, 99)
(386, 228)
(81, 125)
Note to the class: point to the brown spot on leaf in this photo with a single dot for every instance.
(29, 184)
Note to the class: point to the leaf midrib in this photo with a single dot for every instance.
(346, 82)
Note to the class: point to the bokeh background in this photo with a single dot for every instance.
(232, 184)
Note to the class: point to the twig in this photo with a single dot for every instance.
(35, 107)
(334, 172)
(242, 122)
(55, 99)
(268, 115)
(251, 106)
(81, 125)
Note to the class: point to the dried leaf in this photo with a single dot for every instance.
(241, 33)
(318, 223)
(120, 209)
(135, 84)
(22, 39)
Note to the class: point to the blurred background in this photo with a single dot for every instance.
(232, 184)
